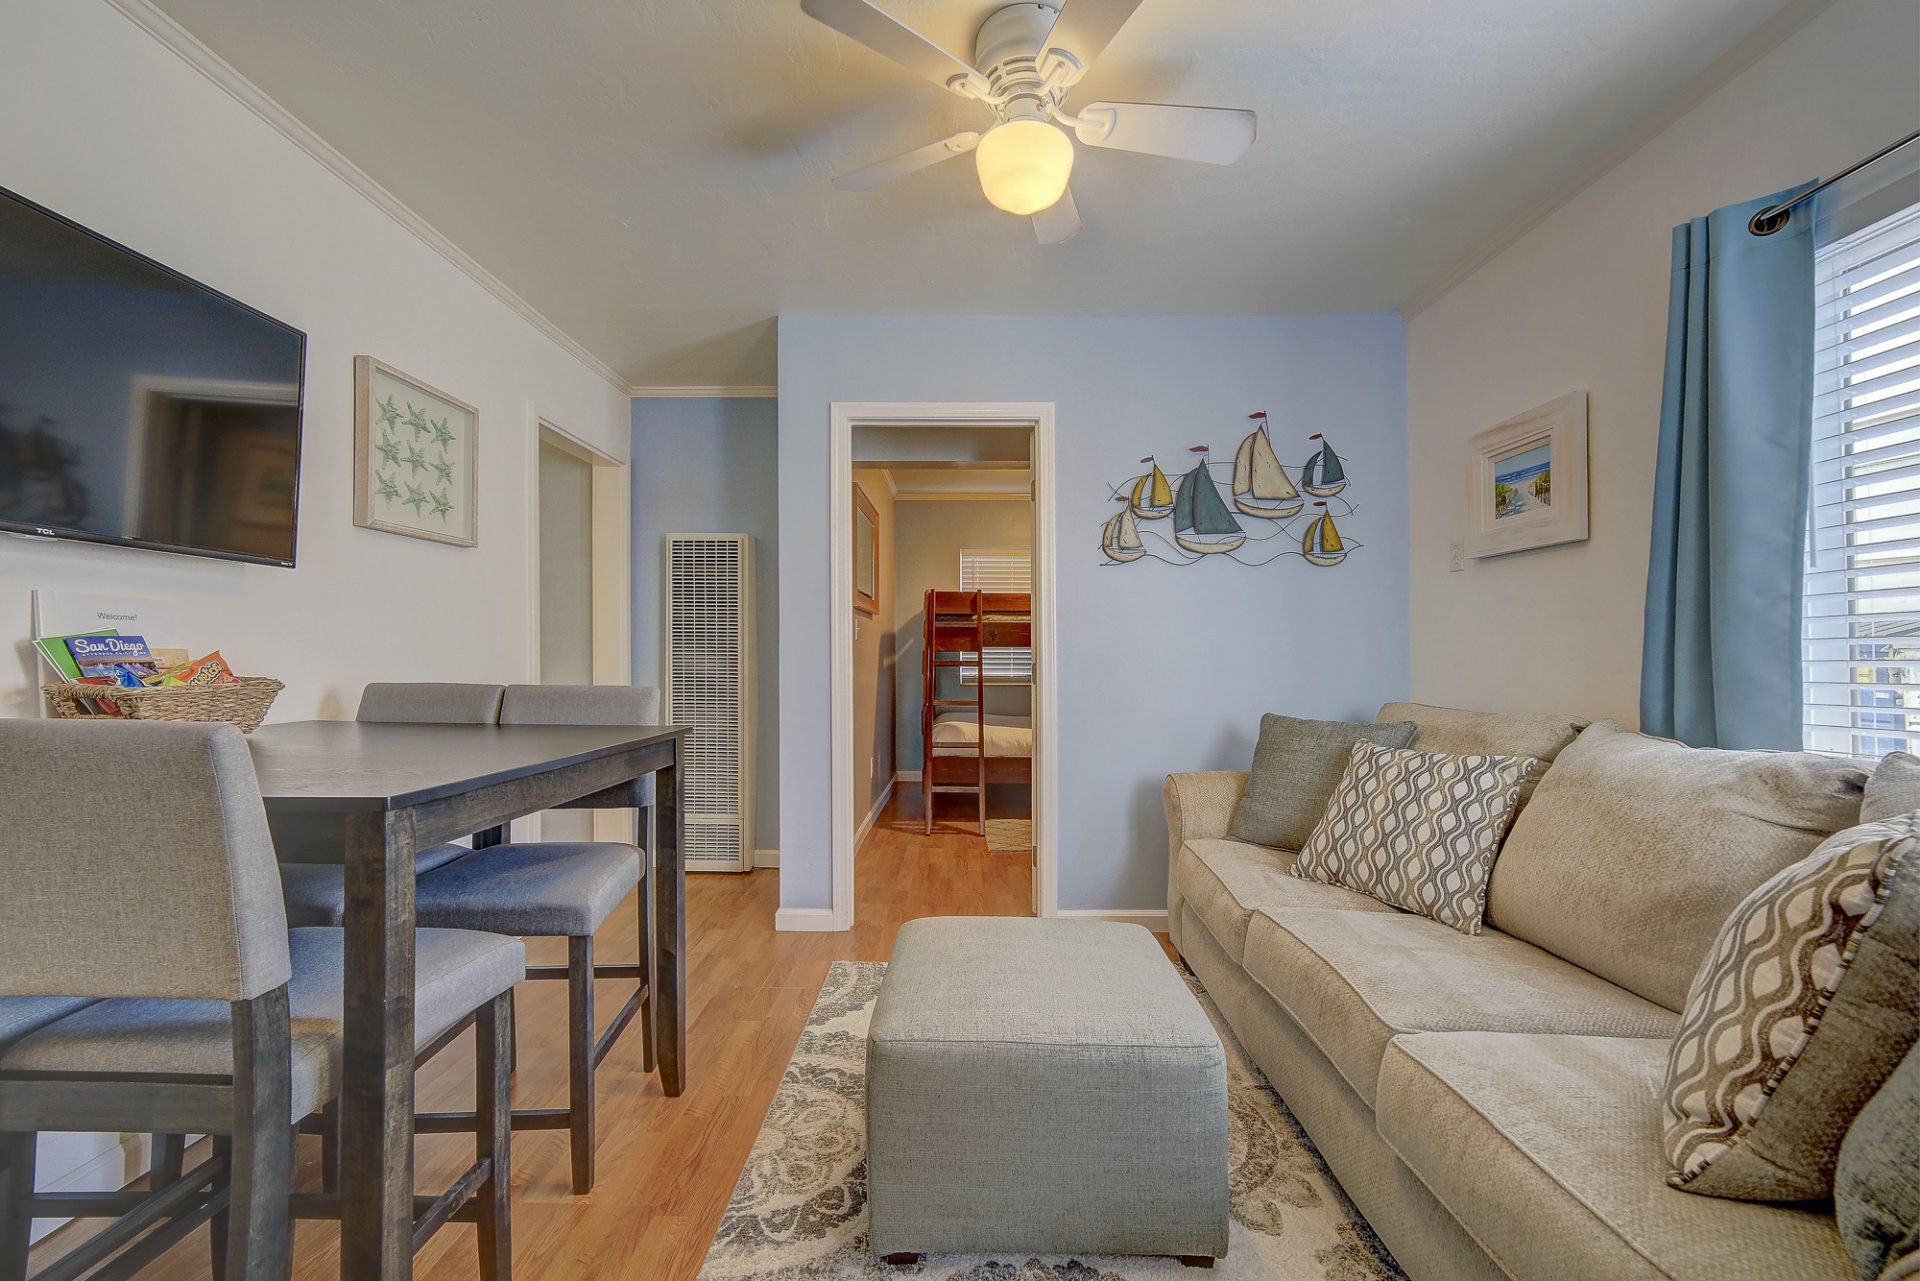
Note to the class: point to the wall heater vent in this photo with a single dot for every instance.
(708, 685)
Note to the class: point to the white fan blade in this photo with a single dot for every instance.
(1085, 27)
(888, 36)
(906, 162)
(1058, 221)
(1213, 135)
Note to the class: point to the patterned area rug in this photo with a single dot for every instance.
(1007, 834)
(799, 1212)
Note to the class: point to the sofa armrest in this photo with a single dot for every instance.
(1199, 807)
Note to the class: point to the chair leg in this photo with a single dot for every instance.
(645, 894)
(169, 1159)
(330, 1147)
(16, 1184)
(218, 1227)
(493, 1136)
(258, 1243)
(580, 1028)
(513, 1038)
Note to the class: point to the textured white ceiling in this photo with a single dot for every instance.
(653, 174)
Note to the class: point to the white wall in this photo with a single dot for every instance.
(1163, 667)
(1580, 302)
(101, 123)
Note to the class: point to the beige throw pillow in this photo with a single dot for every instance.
(1805, 1004)
(1418, 829)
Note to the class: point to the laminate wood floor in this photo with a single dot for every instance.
(667, 1166)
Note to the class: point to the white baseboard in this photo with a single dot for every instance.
(804, 920)
(873, 815)
(1155, 920)
(766, 858)
(87, 1163)
(907, 776)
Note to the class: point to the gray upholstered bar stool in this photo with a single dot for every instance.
(564, 889)
(211, 1016)
(316, 893)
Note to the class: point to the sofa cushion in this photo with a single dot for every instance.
(1540, 735)
(1808, 1000)
(1876, 1187)
(1226, 882)
(1296, 766)
(1893, 789)
(1354, 981)
(1634, 849)
(1418, 830)
(1547, 1149)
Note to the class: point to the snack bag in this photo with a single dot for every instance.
(211, 670)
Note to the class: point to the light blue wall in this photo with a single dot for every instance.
(1162, 667)
(706, 466)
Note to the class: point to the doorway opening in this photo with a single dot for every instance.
(579, 566)
(942, 633)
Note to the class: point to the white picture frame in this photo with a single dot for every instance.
(416, 454)
(1527, 480)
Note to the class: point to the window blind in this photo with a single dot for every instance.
(1861, 646)
(998, 570)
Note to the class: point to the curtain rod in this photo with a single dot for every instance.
(1770, 220)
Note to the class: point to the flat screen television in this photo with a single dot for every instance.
(137, 406)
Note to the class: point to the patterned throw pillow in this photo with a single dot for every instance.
(1807, 1001)
(1418, 829)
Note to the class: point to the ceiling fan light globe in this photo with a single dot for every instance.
(1024, 165)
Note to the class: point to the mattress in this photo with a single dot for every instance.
(1006, 735)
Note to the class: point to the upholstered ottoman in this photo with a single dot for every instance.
(1043, 1086)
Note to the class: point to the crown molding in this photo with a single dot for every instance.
(703, 393)
(1761, 41)
(191, 50)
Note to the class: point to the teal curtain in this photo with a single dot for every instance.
(1721, 662)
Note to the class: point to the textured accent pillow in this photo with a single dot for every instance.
(1893, 788)
(1806, 1002)
(1876, 1187)
(1418, 829)
(1296, 766)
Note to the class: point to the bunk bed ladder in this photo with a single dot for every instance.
(931, 702)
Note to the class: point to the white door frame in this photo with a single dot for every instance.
(1037, 418)
(612, 580)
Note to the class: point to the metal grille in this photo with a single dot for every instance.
(709, 688)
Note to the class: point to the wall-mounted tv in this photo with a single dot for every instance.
(137, 406)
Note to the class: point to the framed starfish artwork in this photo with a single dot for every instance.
(415, 451)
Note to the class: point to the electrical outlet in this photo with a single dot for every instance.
(1459, 557)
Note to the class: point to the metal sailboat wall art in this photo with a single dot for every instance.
(1260, 484)
(1201, 522)
(1248, 511)
(1152, 497)
(1120, 536)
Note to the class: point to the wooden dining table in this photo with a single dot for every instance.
(369, 796)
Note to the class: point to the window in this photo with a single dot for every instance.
(1862, 602)
(998, 570)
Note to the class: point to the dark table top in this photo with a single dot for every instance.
(347, 765)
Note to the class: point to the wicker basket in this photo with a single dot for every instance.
(244, 703)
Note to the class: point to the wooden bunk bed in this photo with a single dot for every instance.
(964, 752)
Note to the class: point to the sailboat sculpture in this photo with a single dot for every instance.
(1152, 497)
(1120, 536)
(1260, 484)
(1324, 475)
(1201, 522)
(1322, 545)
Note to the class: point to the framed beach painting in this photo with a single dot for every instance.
(415, 456)
(1527, 480)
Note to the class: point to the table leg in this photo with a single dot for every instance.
(670, 929)
(376, 1104)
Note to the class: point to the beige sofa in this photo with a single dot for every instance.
(1490, 1105)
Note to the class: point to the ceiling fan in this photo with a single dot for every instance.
(1027, 58)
